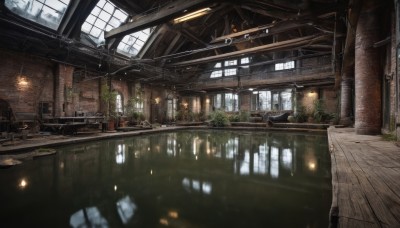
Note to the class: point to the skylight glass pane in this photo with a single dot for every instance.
(104, 16)
(91, 19)
(109, 27)
(95, 32)
(115, 22)
(109, 8)
(101, 3)
(56, 5)
(120, 15)
(48, 14)
(96, 11)
(86, 27)
(100, 24)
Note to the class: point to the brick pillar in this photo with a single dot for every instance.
(63, 90)
(346, 97)
(368, 95)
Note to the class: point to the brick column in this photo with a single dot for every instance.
(346, 97)
(368, 95)
(63, 90)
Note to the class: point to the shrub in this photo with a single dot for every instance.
(234, 118)
(244, 116)
(300, 115)
(219, 119)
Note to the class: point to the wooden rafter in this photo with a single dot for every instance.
(278, 46)
(170, 11)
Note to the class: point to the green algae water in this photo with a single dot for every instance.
(175, 179)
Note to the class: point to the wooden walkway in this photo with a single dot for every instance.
(365, 180)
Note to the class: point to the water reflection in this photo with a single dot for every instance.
(120, 154)
(23, 183)
(88, 217)
(126, 209)
(197, 185)
(191, 179)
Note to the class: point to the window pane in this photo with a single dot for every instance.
(57, 5)
(231, 62)
(229, 72)
(216, 74)
(244, 60)
(279, 66)
(265, 100)
(101, 3)
(96, 11)
(86, 27)
(115, 22)
(218, 65)
(286, 100)
(100, 24)
(90, 19)
(95, 32)
(109, 8)
(121, 16)
(217, 101)
(104, 16)
(275, 101)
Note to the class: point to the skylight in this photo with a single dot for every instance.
(104, 17)
(45, 12)
(131, 44)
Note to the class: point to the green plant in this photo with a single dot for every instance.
(219, 119)
(108, 97)
(319, 112)
(234, 118)
(300, 116)
(244, 116)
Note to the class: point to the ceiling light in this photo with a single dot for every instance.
(192, 15)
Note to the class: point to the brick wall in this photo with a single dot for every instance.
(25, 80)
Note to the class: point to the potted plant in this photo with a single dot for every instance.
(108, 97)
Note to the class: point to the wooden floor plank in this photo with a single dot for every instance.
(366, 179)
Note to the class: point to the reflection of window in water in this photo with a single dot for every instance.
(120, 156)
(197, 185)
(274, 169)
(88, 217)
(245, 164)
(126, 209)
(171, 146)
(287, 159)
(260, 163)
(232, 147)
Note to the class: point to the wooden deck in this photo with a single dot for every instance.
(365, 180)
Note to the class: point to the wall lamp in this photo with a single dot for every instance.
(192, 15)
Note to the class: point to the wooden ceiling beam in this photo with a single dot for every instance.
(170, 11)
(278, 46)
(273, 28)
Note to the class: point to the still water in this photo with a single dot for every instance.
(177, 179)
